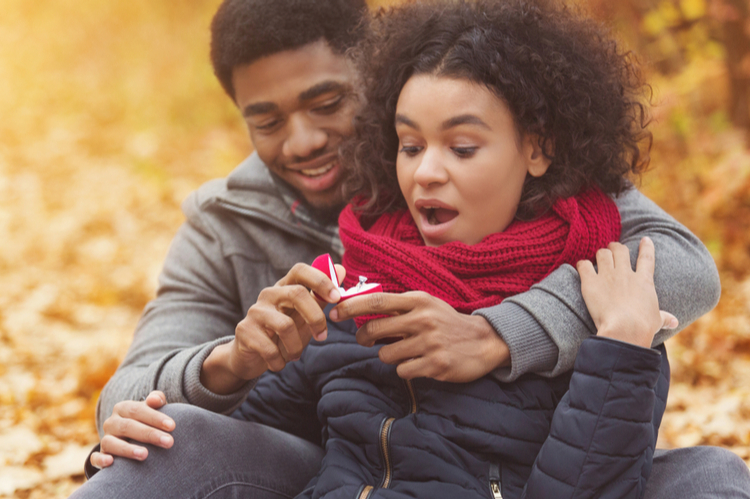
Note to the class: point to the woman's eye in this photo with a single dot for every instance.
(464, 152)
(410, 150)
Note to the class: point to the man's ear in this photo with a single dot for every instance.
(536, 161)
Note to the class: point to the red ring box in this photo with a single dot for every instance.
(324, 264)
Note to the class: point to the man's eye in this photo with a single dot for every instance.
(266, 126)
(329, 106)
(464, 152)
(410, 150)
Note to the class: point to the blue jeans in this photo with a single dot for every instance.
(215, 456)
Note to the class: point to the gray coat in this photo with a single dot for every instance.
(241, 236)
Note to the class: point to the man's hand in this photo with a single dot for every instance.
(137, 420)
(623, 302)
(437, 341)
(275, 331)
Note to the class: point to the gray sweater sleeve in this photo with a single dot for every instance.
(196, 309)
(545, 326)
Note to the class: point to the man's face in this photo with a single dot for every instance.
(299, 105)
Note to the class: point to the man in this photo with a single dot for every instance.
(282, 63)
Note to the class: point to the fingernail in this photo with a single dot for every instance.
(334, 315)
(139, 452)
(673, 323)
(169, 424)
(334, 295)
(322, 336)
(165, 440)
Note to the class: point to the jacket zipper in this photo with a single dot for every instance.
(385, 436)
(412, 397)
(365, 492)
(495, 481)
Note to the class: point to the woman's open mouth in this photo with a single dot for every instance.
(435, 221)
(438, 215)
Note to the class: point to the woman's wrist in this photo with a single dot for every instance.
(631, 335)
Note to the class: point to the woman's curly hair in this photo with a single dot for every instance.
(562, 76)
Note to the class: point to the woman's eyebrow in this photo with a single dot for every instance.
(463, 120)
(406, 121)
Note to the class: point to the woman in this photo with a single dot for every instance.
(484, 159)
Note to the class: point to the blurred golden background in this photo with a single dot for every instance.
(111, 116)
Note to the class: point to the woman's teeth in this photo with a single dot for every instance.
(438, 215)
(315, 172)
(431, 217)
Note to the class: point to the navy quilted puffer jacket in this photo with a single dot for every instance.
(589, 433)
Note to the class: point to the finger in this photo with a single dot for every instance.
(381, 328)
(317, 281)
(646, 258)
(143, 413)
(120, 448)
(283, 331)
(130, 428)
(101, 460)
(374, 303)
(668, 321)
(586, 270)
(304, 330)
(414, 368)
(621, 256)
(156, 399)
(308, 315)
(604, 259)
(268, 350)
(297, 298)
(401, 351)
(340, 272)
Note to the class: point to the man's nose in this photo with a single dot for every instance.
(431, 169)
(304, 138)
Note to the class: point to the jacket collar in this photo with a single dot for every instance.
(251, 190)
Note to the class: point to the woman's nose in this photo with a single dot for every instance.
(431, 169)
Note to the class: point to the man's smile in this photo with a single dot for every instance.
(315, 167)
(319, 174)
(315, 172)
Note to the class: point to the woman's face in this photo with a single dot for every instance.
(461, 164)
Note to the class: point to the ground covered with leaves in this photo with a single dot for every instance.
(111, 116)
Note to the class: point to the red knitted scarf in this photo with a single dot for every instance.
(470, 277)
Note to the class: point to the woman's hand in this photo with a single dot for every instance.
(623, 302)
(436, 341)
(275, 331)
(137, 420)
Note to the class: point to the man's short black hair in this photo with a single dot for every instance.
(243, 31)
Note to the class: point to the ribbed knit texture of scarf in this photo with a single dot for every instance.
(470, 277)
